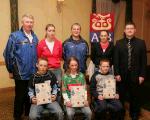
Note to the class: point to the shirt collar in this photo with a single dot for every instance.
(129, 39)
(74, 76)
(28, 35)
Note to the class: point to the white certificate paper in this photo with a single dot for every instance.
(109, 89)
(78, 96)
(43, 93)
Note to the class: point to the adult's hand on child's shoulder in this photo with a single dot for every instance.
(53, 97)
(86, 103)
(68, 104)
(118, 78)
(100, 97)
(117, 96)
(34, 100)
(141, 80)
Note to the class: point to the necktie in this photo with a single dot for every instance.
(129, 54)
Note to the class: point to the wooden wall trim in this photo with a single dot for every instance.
(7, 89)
(2, 63)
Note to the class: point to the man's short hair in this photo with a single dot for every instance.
(28, 16)
(104, 60)
(104, 31)
(75, 24)
(42, 58)
(130, 23)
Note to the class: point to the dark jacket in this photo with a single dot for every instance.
(37, 78)
(97, 83)
(21, 55)
(138, 57)
(97, 53)
(78, 49)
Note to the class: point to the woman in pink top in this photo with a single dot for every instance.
(51, 48)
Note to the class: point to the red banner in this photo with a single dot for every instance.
(100, 22)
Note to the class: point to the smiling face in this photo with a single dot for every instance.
(129, 31)
(103, 36)
(42, 66)
(27, 24)
(73, 66)
(75, 30)
(104, 67)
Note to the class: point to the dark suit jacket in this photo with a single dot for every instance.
(138, 57)
(97, 53)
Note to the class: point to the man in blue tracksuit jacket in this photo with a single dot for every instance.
(76, 46)
(20, 58)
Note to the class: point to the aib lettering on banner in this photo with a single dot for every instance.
(99, 22)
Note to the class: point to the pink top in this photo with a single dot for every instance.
(104, 45)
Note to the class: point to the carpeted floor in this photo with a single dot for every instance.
(6, 107)
(6, 104)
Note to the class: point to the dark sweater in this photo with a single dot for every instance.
(37, 78)
(97, 81)
(97, 53)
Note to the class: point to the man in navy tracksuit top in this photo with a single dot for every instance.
(20, 58)
(76, 46)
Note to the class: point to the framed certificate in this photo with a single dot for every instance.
(78, 96)
(43, 93)
(109, 88)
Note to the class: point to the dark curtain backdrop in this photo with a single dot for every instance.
(94, 6)
(105, 6)
(14, 15)
(128, 10)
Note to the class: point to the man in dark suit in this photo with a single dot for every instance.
(130, 67)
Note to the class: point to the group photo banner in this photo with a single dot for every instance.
(99, 22)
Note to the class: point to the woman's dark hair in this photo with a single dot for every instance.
(73, 58)
(104, 31)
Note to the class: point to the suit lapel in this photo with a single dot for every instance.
(125, 45)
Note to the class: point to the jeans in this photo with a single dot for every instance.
(85, 110)
(36, 110)
(114, 106)
(58, 74)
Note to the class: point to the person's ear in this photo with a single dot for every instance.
(36, 64)
(135, 30)
(99, 66)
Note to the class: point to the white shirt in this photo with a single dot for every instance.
(50, 45)
(73, 75)
(30, 37)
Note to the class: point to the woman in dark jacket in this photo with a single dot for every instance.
(102, 49)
